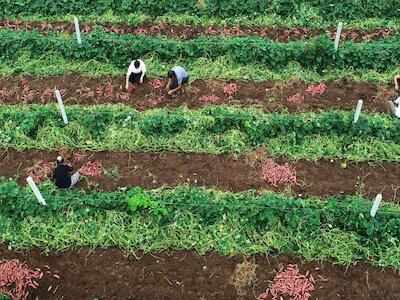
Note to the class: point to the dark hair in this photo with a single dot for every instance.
(137, 64)
(171, 74)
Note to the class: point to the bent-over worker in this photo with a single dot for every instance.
(61, 175)
(394, 106)
(177, 77)
(136, 73)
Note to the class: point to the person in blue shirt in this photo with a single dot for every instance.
(177, 77)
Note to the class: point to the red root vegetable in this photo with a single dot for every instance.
(156, 84)
(210, 99)
(296, 98)
(230, 90)
(91, 169)
(16, 277)
(291, 283)
(276, 174)
(79, 156)
(318, 89)
(41, 170)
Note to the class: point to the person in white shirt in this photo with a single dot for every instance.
(394, 106)
(136, 73)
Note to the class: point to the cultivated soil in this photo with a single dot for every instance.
(185, 32)
(153, 170)
(267, 95)
(109, 274)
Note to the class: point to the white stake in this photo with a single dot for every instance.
(78, 31)
(358, 111)
(35, 190)
(338, 33)
(377, 202)
(61, 106)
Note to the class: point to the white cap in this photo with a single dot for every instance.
(59, 159)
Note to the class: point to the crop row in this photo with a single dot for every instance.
(282, 34)
(211, 129)
(119, 49)
(261, 212)
(348, 9)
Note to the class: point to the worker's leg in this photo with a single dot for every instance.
(391, 108)
(184, 82)
(74, 179)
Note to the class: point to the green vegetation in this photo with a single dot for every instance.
(315, 54)
(202, 220)
(256, 209)
(213, 129)
(306, 18)
(223, 68)
(345, 9)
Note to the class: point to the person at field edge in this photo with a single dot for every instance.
(394, 106)
(136, 73)
(61, 175)
(177, 77)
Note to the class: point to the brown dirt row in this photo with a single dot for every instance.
(185, 32)
(267, 95)
(153, 170)
(109, 274)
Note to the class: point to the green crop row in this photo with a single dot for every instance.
(306, 18)
(255, 215)
(317, 53)
(346, 9)
(223, 68)
(213, 129)
(117, 229)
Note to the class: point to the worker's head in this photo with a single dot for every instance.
(136, 64)
(171, 74)
(60, 160)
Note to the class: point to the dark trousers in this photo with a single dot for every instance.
(174, 83)
(135, 78)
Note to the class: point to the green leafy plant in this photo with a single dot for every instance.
(141, 201)
(347, 9)
(316, 53)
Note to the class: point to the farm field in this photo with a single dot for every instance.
(256, 181)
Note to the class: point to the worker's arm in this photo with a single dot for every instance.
(143, 73)
(170, 92)
(396, 82)
(127, 81)
(168, 85)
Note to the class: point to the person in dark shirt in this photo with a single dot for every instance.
(61, 175)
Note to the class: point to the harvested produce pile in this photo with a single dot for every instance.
(16, 277)
(276, 174)
(41, 171)
(210, 99)
(296, 98)
(316, 89)
(290, 282)
(230, 90)
(91, 169)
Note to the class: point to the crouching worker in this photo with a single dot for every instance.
(61, 175)
(177, 77)
(394, 106)
(136, 73)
